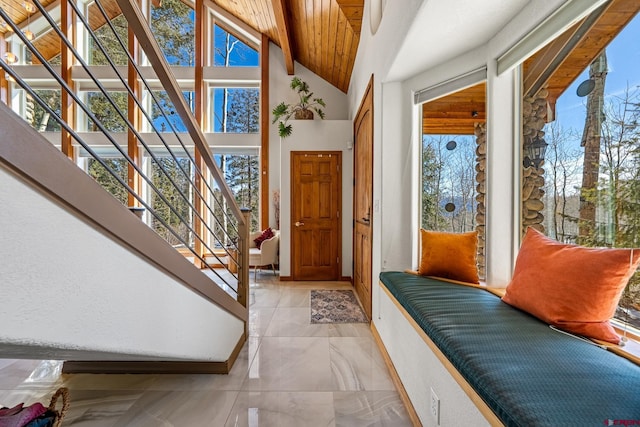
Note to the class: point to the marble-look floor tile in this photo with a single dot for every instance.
(349, 330)
(98, 408)
(294, 298)
(263, 297)
(30, 373)
(356, 364)
(282, 409)
(259, 319)
(295, 322)
(290, 364)
(179, 409)
(370, 409)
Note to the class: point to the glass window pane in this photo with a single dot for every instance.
(105, 112)
(178, 196)
(236, 110)
(37, 116)
(242, 173)
(448, 183)
(173, 25)
(106, 178)
(108, 40)
(164, 114)
(229, 51)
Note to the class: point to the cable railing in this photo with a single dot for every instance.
(171, 175)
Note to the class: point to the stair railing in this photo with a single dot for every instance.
(194, 204)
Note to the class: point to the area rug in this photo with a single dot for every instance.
(333, 306)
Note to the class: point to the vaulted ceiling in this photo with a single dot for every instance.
(322, 35)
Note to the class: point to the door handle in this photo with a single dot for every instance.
(298, 223)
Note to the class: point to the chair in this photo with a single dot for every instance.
(267, 254)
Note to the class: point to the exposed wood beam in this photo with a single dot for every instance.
(67, 23)
(265, 116)
(133, 115)
(4, 84)
(199, 93)
(283, 33)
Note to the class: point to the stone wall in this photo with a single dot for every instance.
(481, 164)
(534, 114)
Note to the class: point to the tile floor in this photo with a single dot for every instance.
(289, 373)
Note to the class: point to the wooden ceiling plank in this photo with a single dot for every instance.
(350, 60)
(344, 63)
(333, 39)
(316, 18)
(282, 24)
(326, 6)
(339, 50)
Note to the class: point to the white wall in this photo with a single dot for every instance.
(331, 134)
(66, 285)
(317, 135)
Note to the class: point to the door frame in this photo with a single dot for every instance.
(340, 157)
(367, 93)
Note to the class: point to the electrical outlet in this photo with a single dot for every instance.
(435, 407)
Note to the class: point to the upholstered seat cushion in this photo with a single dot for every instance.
(526, 372)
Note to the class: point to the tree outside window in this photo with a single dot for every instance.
(448, 183)
(173, 25)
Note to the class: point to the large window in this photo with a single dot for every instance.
(589, 182)
(453, 163)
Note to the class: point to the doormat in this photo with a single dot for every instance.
(336, 306)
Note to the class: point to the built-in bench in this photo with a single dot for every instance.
(512, 367)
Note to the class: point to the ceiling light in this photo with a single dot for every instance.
(11, 57)
(5, 26)
(29, 7)
(28, 34)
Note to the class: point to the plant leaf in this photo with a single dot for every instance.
(284, 130)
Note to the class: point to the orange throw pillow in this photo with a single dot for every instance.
(449, 255)
(571, 287)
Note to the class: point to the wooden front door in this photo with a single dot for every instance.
(316, 232)
(363, 195)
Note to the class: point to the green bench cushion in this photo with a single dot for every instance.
(526, 372)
